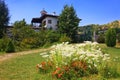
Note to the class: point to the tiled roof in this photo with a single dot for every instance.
(39, 20)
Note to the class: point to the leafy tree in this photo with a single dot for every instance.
(68, 22)
(21, 30)
(4, 17)
(111, 37)
(22, 34)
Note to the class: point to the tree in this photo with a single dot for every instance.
(87, 33)
(68, 22)
(21, 30)
(111, 37)
(101, 38)
(4, 17)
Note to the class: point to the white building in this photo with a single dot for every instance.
(47, 21)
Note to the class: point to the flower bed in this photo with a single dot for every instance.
(71, 61)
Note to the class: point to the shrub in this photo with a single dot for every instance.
(3, 43)
(118, 37)
(75, 61)
(101, 38)
(29, 43)
(45, 67)
(111, 37)
(52, 36)
(10, 47)
(64, 38)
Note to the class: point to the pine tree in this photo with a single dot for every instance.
(4, 17)
(68, 22)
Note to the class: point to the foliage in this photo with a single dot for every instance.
(110, 37)
(4, 17)
(26, 65)
(118, 37)
(23, 35)
(45, 67)
(52, 36)
(87, 33)
(64, 38)
(78, 59)
(80, 38)
(101, 38)
(68, 22)
(21, 30)
(109, 71)
(3, 43)
(26, 38)
(10, 47)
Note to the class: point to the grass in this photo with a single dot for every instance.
(1, 53)
(24, 67)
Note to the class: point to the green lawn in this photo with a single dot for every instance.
(24, 67)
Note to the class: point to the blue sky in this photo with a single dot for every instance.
(90, 11)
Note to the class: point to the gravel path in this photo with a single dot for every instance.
(12, 55)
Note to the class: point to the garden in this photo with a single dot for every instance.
(69, 53)
(85, 61)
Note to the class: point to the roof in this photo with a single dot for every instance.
(39, 20)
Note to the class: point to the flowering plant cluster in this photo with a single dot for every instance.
(45, 66)
(78, 59)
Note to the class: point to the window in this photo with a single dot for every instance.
(50, 21)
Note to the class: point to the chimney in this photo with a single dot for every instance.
(43, 12)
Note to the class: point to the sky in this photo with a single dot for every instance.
(90, 11)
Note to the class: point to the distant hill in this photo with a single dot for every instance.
(114, 24)
(102, 28)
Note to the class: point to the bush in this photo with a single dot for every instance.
(118, 37)
(10, 47)
(52, 36)
(64, 38)
(75, 61)
(110, 37)
(101, 38)
(3, 43)
(37, 39)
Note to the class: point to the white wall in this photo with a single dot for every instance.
(53, 24)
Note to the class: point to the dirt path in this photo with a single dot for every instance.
(12, 55)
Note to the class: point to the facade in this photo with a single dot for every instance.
(47, 21)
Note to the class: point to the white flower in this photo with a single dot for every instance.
(43, 53)
(44, 56)
(64, 53)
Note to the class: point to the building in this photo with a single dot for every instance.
(47, 21)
